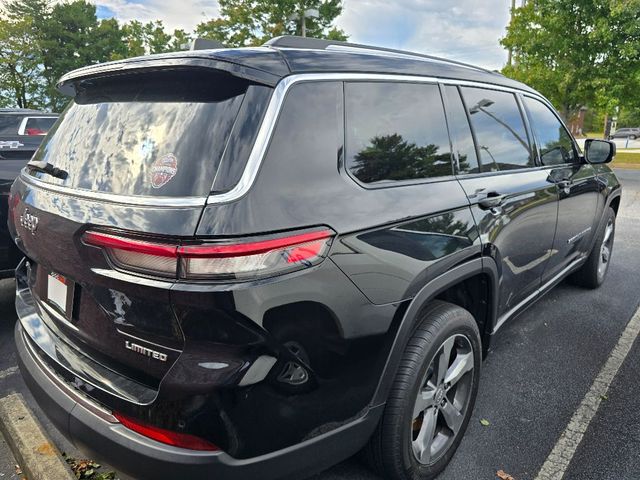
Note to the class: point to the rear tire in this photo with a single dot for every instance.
(593, 273)
(432, 397)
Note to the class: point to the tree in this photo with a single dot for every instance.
(253, 22)
(577, 52)
(21, 82)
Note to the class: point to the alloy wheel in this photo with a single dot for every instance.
(443, 399)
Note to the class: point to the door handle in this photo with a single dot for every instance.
(564, 184)
(491, 200)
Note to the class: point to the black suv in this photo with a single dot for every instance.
(21, 132)
(254, 263)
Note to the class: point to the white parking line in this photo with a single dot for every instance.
(8, 372)
(560, 457)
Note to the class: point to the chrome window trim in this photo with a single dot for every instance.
(132, 200)
(267, 127)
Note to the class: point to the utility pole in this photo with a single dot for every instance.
(513, 7)
(302, 16)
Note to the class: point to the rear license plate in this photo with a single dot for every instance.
(58, 290)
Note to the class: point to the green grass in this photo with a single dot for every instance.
(626, 160)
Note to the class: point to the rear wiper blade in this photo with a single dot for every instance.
(46, 167)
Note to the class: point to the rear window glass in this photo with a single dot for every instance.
(396, 131)
(37, 125)
(160, 133)
(9, 125)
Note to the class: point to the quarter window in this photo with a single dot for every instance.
(499, 129)
(395, 131)
(556, 146)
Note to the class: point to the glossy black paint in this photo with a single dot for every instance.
(487, 239)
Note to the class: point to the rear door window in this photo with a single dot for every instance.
(395, 131)
(556, 146)
(499, 129)
(160, 133)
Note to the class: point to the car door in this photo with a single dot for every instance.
(577, 184)
(512, 199)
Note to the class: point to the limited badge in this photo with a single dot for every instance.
(163, 170)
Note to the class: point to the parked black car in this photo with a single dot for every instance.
(254, 263)
(21, 132)
(630, 133)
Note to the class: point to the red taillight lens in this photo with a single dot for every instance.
(242, 260)
(177, 439)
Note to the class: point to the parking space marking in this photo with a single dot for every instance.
(8, 372)
(560, 457)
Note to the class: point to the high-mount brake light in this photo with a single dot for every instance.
(177, 439)
(237, 260)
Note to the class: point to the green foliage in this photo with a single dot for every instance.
(253, 22)
(578, 52)
(41, 40)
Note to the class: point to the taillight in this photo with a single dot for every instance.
(229, 260)
(177, 439)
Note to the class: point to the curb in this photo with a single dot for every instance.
(38, 457)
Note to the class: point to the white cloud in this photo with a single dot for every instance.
(466, 30)
(174, 14)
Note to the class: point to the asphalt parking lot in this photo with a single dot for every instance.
(541, 366)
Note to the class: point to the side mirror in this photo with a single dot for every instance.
(599, 151)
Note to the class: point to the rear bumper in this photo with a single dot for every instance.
(90, 429)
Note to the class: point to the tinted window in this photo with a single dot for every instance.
(556, 146)
(499, 128)
(38, 125)
(395, 131)
(160, 133)
(9, 125)
(463, 144)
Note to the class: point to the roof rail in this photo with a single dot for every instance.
(292, 41)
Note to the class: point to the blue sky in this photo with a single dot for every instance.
(466, 30)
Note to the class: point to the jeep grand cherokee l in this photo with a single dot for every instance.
(21, 132)
(254, 263)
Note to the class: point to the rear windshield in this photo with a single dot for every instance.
(9, 125)
(160, 133)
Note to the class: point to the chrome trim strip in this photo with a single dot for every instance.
(80, 399)
(543, 289)
(277, 99)
(53, 313)
(137, 201)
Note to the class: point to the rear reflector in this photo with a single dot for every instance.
(177, 439)
(238, 260)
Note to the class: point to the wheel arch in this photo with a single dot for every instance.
(484, 266)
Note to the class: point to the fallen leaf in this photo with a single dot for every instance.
(502, 475)
(604, 397)
(18, 470)
(484, 422)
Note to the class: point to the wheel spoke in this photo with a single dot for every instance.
(461, 365)
(422, 444)
(452, 417)
(425, 400)
(443, 360)
(607, 233)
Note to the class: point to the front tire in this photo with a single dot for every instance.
(593, 273)
(432, 396)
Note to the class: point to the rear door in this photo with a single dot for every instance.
(139, 153)
(577, 184)
(513, 201)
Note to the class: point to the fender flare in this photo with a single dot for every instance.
(484, 265)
